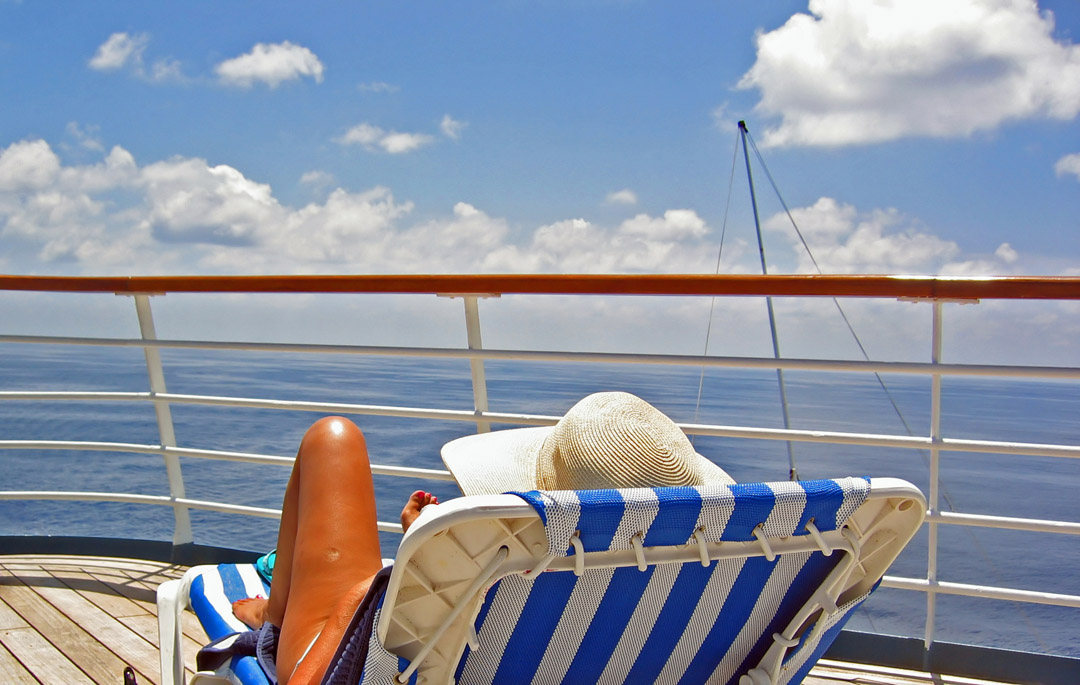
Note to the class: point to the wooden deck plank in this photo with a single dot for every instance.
(142, 595)
(81, 647)
(42, 659)
(126, 644)
(102, 594)
(189, 623)
(9, 618)
(147, 626)
(828, 672)
(12, 672)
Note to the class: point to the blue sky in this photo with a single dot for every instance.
(931, 136)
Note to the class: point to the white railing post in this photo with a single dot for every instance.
(479, 381)
(182, 530)
(935, 442)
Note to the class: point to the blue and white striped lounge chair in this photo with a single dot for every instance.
(743, 584)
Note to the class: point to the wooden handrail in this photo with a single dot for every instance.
(918, 287)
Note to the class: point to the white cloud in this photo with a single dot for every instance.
(622, 197)
(85, 137)
(374, 138)
(451, 128)
(121, 49)
(378, 87)
(272, 64)
(191, 202)
(1006, 253)
(28, 165)
(861, 72)
(167, 69)
(845, 240)
(186, 215)
(676, 224)
(1069, 164)
(317, 178)
(673, 243)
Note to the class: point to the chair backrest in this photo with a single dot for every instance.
(695, 584)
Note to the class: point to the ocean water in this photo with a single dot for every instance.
(1041, 412)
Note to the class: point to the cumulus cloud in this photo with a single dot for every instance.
(673, 243)
(622, 197)
(854, 72)
(28, 165)
(1006, 253)
(1069, 164)
(189, 215)
(373, 138)
(125, 51)
(316, 179)
(121, 49)
(272, 64)
(844, 240)
(451, 128)
(186, 214)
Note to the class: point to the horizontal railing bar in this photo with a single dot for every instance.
(876, 440)
(921, 585)
(1006, 522)
(140, 448)
(248, 457)
(802, 285)
(813, 436)
(125, 498)
(762, 363)
(128, 498)
(984, 591)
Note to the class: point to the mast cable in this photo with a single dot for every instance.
(944, 490)
(843, 314)
(712, 300)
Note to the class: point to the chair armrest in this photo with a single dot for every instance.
(171, 601)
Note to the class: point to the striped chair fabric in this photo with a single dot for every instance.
(680, 622)
(212, 594)
(671, 623)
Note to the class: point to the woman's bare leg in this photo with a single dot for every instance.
(314, 665)
(328, 542)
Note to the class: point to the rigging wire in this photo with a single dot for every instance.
(926, 459)
(712, 300)
(843, 314)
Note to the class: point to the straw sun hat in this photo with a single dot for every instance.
(607, 440)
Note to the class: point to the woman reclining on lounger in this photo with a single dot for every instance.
(328, 543)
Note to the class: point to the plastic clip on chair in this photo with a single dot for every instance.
(748, 583)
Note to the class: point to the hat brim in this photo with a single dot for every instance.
(505, 461)
(496, 462)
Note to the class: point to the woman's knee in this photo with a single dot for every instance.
(332, 432)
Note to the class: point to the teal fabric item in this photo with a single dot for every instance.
(265, 565)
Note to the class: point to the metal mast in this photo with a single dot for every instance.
(792, 472)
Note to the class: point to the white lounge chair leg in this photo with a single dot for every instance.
(170, 636)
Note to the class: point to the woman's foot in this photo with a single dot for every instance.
(417, 501)
(251, 610)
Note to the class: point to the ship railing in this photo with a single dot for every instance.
(937, 291)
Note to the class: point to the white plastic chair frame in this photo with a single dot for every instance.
(455, 551)
(430, 606)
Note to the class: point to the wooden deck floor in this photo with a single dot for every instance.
(72, 620)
